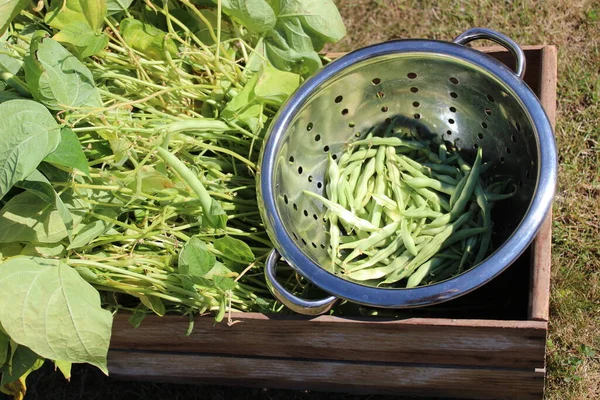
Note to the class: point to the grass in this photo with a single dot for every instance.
(573, 358)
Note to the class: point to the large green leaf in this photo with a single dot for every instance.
(64, 12)
(94, 12)
(27, 218)
(9, 9)
(64, 367)
(28, 133)
(52, 310)
(275, 86)
(82, 39)
(37, 184)
(194, 259)
(256, 15)
(146, 39)
(57, 78)
(69, 152)
(320, 18)
(234, 249)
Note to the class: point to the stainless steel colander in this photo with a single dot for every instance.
(440, 89)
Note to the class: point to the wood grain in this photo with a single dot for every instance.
(371, 378)
(515, 344)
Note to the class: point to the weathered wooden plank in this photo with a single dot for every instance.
(541, 257)
(516, 344)
(371, 378)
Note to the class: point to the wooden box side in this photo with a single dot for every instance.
(360, 377)
(484, 343)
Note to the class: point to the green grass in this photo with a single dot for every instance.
(573, 357)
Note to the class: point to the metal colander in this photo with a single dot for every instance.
(444, 91)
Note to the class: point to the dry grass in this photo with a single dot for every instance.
(574, 26)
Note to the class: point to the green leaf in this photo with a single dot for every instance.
(220, 270)
(4, 347)
(146, 39)
(64, 12)
(244, 108)
(117, 6)
(57, 78)
(137, 317)
(22, 360)
(87, 233)
(223, 283)
(53, 311)
(279, 52)
(26, 218)
(39, 250)
(64, 367)
(153, 303)
(320, 18)
(69, 152)
(37, 184)
(256, 15)
(195, 259)
(10, 62)
(28, 133)
(95, 12)
(149, 180)
(10, 249)
(83, 41)
(275, 86)
(234, 249)
(9, 9)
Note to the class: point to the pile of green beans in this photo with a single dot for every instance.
(401, 214)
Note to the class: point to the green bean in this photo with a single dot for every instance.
(343, 214)
(445, 178)
(334, 230)
(416, 278)
(373, 239)
(385, 202)
(442, 168)
(419, 200)
(380, 255)
(470, 243)
(379, 272)
(409, 242)
(362, 155)
(442, 152)
(458, 190)
(415, 172)
(389, 141)
(394, 178)
(437, 202)
(427, 250)
(378, 207)
(431, 183)
(422, 213)
(361, 188)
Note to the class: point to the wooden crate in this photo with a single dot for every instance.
(487, 344)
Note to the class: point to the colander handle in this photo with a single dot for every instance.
(503, 40)
(296, 304)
